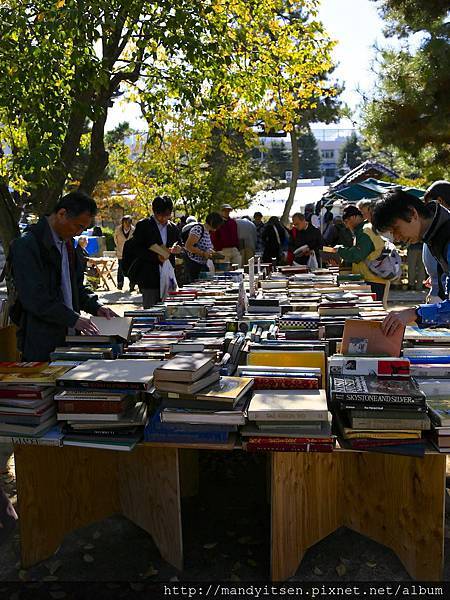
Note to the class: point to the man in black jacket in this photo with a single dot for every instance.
(48, 278)
(303, 234)
(157, 229)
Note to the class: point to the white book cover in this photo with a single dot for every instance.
(284, 405)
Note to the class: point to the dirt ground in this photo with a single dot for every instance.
(226, 530)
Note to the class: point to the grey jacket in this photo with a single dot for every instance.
(36, 269)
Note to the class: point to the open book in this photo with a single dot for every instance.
(161, 250)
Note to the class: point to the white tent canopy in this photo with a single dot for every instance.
(271, 203)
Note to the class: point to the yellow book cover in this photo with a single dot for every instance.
(297, 358)
(47, 376)
(399, 434)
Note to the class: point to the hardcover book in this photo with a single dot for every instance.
(185, 368)
(103, 374)
(285, 383)
(364, 337)
(187, 387)
(365, 365)
(365, 389)
(284, 405)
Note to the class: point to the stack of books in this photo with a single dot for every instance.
(101, 403)
(288, 420)
(380, 413)
(377, 405)
(198, 405)
(27, 407)
(114, 334)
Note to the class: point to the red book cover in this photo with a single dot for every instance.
(23, 393)
(92, 406)
(285, 383)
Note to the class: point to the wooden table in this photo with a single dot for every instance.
(396, 500)
(103, 267)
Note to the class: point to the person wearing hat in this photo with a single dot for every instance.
(367, 246)
(225, 239)
(122, 233)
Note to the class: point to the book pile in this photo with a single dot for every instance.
(386, 414)
(198, 405)
(288, 420)
(377, 405)
(114, 333)
(101, 403)
(430, 364)
(27, 407)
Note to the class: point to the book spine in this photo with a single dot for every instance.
(261, 446)
(28, 441)
(346, 405)
(383, 399)
(285, 415)
(90, 406)
(285, 383)
(104, 385)
(11, 394)
(372, 443)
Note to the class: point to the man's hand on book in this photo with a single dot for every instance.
(398, 319)
(104, 311)
(86, 326)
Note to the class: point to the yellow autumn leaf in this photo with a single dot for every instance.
(60, 3)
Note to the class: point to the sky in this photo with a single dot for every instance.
(354, 24)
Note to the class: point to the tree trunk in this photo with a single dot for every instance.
(295, 176)
(99, 157)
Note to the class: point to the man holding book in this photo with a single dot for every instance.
(367, 247)
(160, 233)
(225, 239)
(410, 220)
(48, 279)
(304, 239)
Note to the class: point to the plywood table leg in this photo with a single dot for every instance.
(305, 508)
(399, 501)
(60, 490)
(149, 485)
(189, 472)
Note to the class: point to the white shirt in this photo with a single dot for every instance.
(162, 231)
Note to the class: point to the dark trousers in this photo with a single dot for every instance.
(378, 289)
(150, 297)
(120, 275)
(193, 269)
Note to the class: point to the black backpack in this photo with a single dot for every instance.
(187, 230)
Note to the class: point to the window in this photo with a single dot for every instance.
(327, 153)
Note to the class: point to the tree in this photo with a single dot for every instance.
(277, 160)
(410, 107)
(309, 155)
(352, 153)
(63, 63)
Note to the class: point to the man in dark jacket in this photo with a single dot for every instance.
(410, 220)
(303, 234)
(157, 229)
(49, 280)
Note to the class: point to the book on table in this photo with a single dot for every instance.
(187, 387)
(302, 405)
(354, 391)
(186, 368)
(22, 367)
(104, 374)
(365, 337)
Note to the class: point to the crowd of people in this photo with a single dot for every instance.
(46, 268)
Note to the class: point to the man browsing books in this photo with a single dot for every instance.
(367, 247)
(157, 229)
(48, 278)
(304, 239)
(410, 220)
